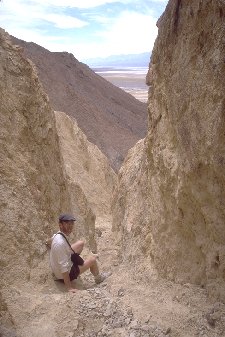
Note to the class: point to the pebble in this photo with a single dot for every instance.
(121, 292)
(110, 320)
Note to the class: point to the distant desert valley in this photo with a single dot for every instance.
(127, 72)
(130, 79)
(142, 171)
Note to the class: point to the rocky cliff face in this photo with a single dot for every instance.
(130, 204)
(33, 191)
(35, 186)
(110, 118)
(182, 234)
(86, 166)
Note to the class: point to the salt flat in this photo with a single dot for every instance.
(129, 79)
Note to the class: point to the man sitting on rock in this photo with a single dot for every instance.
(65, 259)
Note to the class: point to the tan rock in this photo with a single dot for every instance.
(110, 118)
(34, 186)
(87, 169)
(33, 313)
(33, 191)
(130, 204)
(185, 151)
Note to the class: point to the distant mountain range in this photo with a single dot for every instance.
(130, 60)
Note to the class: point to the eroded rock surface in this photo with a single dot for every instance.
(169, 209)
(130, 206)
(127, 304)
(32, 181)
(34, 186)
(185, 148)
(110, 118)
(86, 165)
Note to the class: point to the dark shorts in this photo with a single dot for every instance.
(74, 273)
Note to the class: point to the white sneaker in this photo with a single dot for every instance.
(101, 277)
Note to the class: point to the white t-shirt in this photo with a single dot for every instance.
(60, 256)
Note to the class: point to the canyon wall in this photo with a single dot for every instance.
(173, 214)
(85, 165)
(34, 184)
(33, 190)
(47, 166)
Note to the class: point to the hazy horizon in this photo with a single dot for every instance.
(85, 28)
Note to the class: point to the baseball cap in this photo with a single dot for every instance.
(66, 217)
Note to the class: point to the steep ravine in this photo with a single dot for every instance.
(166, 251)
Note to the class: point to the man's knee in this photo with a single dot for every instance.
(92, 260)
(78, 246)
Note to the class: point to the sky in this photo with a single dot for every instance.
(85, 28)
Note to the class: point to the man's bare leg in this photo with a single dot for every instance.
(78, 246)
(91, 264)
